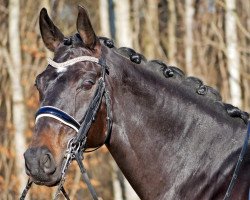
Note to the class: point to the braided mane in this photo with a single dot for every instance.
(193, 83)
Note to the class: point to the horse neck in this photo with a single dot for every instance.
(153, 133)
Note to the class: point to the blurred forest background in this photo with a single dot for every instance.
(209, 39)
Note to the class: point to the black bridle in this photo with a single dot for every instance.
(77, 145)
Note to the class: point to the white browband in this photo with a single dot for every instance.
(57, 118)
(72, 61)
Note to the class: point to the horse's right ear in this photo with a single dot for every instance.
(51, 35)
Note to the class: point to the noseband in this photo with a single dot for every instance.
(77, 145)
(53, 112)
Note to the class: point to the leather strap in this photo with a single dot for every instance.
(85, 176)
(238, 165)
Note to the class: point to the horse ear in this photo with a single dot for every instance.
(85, 29)
(51, 35)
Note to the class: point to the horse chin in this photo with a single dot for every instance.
(50, 183)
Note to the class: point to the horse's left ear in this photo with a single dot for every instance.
(85, 29)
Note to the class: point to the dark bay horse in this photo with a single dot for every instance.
(172, 136)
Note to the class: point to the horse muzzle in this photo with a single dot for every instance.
(41, 167)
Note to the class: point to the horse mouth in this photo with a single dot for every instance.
(51, 183)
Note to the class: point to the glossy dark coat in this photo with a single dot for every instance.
(170, 142)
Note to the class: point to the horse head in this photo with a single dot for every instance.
(67, 90)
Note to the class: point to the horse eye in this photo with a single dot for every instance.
(87, 84)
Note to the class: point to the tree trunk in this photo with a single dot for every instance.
(104, 18)
(136, 16)
(189, 13)
(129, 191)
(152, 26)
(171, 33)
(153, 48)
(122, 23)
(117, 187)
(18, 112)
(233, 62)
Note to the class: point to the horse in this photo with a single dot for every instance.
(171, 136)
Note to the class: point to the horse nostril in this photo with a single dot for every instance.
(47, 163)
(46, 160)
(39, 162)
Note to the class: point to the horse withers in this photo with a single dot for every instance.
(171, 135)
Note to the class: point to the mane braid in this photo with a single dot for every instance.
(194, 84)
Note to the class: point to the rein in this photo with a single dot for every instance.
(238, 165)
(77, 145)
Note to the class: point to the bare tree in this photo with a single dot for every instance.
(171, 33)
(136, 17)
(153, 48)
(14, 68)
(189, 13)
(233, 61)
(104, 18)
(117, 187)
(122, 23)
(152, 28)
